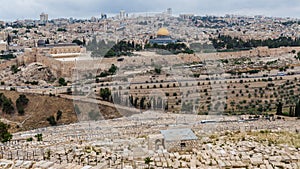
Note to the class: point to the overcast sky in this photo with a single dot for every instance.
(25, 9)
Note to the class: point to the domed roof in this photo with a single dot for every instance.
(163, 32)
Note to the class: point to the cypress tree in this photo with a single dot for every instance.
(291, 112)
(297, 109)
(279, 109)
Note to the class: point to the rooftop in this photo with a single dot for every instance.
(178, 134)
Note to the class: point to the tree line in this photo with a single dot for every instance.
(137, 102)
(174, 48)
(225, 42)
(294, 110)
(126, 48)
(111, 49)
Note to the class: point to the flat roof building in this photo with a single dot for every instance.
(44, 17)
(179, 139)
(61, 50)
(179, 135)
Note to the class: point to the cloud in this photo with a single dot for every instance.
(21, 9)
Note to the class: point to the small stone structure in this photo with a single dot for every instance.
(179, 139)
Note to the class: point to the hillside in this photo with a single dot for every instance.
(38, 110)
(41, 107)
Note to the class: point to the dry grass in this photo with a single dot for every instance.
(41, 107)
(265, 137)
(38, 110)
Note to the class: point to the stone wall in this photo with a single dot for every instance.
(260, 51)
(175, 146)
(65, 49)
(59, 68)
(67, 69)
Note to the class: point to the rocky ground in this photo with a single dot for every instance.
(24, 75)
(124, 143)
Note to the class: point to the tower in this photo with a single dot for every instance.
(169, 11)
(122, 14)
(103, 16)
(43, 17)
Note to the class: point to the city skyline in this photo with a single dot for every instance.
(31, 9)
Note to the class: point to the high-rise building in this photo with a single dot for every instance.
(71, 20)
(122, 14)
(44, 17)
(169, 11)
(2, 23)
(93, 19)
(103, 16)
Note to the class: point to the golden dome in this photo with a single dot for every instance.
(163, 32)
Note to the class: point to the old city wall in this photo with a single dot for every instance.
(66, 69)
(260, 51)
(59, 68)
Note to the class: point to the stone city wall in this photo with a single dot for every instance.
(260, 51)
(67, 68)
